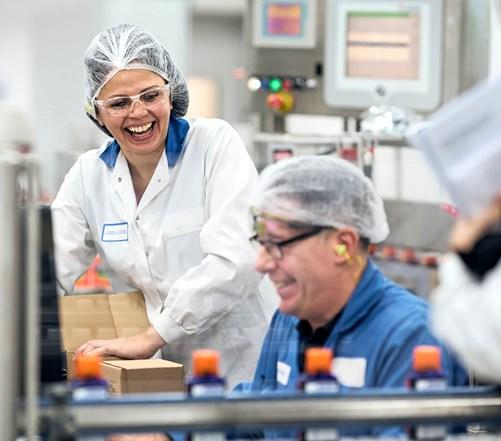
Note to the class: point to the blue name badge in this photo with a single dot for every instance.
(115, 232)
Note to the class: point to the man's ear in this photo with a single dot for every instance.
(344, 244)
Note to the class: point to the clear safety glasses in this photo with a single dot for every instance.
(122, 105)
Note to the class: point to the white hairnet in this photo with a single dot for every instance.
(130, 47)
(322, 190)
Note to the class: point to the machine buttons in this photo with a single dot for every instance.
(276, 83)
(254, 83)
(281, 101)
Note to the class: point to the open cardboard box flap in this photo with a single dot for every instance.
(99, 316)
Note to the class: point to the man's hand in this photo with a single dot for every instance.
(139, 346)
(466, 232)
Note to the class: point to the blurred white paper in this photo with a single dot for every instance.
(462, 142)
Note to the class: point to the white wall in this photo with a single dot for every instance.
(217, 52)
(168, 20)
(60, 34)
(15, 62)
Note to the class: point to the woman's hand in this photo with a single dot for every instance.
(466, 232)
(139, 346)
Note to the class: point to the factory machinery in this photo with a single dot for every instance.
(371, 70)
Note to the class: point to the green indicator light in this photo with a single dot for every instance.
(275, 84)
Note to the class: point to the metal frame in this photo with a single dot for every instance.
(19, 288)
(171, 412)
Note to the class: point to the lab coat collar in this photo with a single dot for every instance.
(178, 129)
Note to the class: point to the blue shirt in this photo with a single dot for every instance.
(381, 324)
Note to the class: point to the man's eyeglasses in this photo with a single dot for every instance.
(121, 105)
(275, 249)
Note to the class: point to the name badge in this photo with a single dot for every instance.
(283, 373)
(115, 232)
(350, 372)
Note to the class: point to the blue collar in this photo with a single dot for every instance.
(176, 135)
(367, 293)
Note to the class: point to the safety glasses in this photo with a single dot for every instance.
(275, 248)
(122, 105)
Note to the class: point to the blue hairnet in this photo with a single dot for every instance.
(130, 47)
(322, 190)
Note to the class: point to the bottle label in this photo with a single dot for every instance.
(321, 387)
(90, 393)
(321, 435)
(430, 384)
(208, 436)
(207, 390)
(431, 432)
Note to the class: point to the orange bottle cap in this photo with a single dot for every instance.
(318, 360)
(205, 362)
(426, 358)
(88, 366)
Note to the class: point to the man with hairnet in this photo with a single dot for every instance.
(165, 205)
(314, 217)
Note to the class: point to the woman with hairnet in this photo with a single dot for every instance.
(164, 203)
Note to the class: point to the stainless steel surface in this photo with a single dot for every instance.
(31, 270)
(291, 62)
(19, 291)
(418, 279)
(453, 28)
(474, 43)
(9, 297)
(423, 226)
(290, 411)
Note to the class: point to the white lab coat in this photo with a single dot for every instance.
(185, 245)
(466, 315)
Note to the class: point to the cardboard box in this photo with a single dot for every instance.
(104, 316)
(139, 376)
(99, 316)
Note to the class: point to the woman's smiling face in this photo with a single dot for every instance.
(143, 131)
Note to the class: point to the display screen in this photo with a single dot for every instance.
(284, 19)
(383, 45)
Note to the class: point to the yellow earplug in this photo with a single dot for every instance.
(340, 249)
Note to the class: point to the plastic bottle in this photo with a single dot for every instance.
(318, 379)
(426, 374)
(206, 382)
(89, 385)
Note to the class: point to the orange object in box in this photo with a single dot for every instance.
(94, 279)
